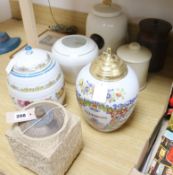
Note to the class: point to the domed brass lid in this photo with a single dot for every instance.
(108, 67)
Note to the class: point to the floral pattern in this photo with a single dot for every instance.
(86, 88)
(114, 95)
(38, 88)
(38, 67)
(60, 93)
(23, 103)
(118, 109)
(108, 115)
(116, 112)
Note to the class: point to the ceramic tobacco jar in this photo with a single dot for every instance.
(106, 24)
(107, 91)
(33, 75)
(73, 52)
(138, 58)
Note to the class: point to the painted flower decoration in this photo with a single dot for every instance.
(86, 88)
(114, 95)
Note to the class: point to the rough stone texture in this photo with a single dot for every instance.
(52, 155)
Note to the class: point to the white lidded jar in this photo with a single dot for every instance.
(73, 52)
(107, 91)
(33, 75)
(107, 25)
(138, 58)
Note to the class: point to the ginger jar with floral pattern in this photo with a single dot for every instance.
(32, 75)
(107, 91)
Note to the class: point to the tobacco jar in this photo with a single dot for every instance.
(154, 34)
(138, 58)
(33, 75)
(107, 25)
(72, 53)
(107, 91)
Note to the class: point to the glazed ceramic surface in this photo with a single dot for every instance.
(155, 34)
(107, 25)
(138, 58)
(34, 75)
(73, 52)
(109, 112)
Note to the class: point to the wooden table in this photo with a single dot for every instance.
(104, 153)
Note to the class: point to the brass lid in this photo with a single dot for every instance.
(108, 67)
(107, 2)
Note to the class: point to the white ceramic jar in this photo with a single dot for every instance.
(107, 91)
(138, 58)
(73, 52)
(34, 75)
(107, 25)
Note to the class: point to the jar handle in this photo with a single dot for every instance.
(107, 2)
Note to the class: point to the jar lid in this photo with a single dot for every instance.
(106, 9)
(108, 67)
(134, 53)
(155, 26)
(30, 60)
(75, 45)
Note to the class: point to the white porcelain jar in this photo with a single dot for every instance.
(107, 91)
(73, 52)
(34, 75)
(107, 26)
(138, 58)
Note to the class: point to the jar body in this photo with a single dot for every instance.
(141, 70)
(74, 56)
(72, 64)
(112, 30)
(158, 47)
(119, 104)
(154, 34)
(138, 58)
(47, 84)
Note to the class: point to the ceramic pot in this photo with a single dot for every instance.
(107, 91)
(138, 58)
(73, 52)
(107, 25)
(34, 75)
(49, 144)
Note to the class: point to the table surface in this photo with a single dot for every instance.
(103, 153)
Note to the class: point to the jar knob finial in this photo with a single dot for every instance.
(107, 2)
(107, 53)
(108, 67)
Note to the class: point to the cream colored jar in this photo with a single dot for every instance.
(107, 25)
(138, 58)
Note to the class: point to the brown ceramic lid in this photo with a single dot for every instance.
(155, 26)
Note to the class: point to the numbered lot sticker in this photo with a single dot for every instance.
(20, 116)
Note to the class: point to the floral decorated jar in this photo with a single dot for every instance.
(34, 75)
(107, 91)
(73, 52)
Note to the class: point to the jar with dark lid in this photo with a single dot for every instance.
(154, 34)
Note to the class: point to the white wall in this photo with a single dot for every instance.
(5, 11)
(134, 8)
